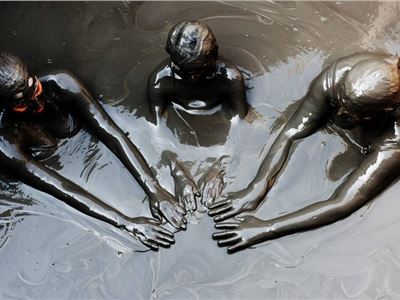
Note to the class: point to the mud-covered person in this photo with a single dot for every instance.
(359, 92)
(38, 112)
(193, 77)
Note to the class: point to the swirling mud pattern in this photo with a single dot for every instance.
(51, 251)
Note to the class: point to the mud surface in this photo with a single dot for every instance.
(49, 250)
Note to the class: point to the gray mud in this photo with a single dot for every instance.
(51, 251)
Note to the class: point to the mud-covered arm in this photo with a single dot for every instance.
(235, 90)
(78, 99)
(46, 180)
(378, 170)
(159, 89)
(38, 176)
(313, 112)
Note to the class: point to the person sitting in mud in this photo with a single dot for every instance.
(192, 78)
(38, 112)
(360, 91)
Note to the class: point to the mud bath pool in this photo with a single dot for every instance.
(49, 250)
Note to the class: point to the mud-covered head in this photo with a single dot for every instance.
(368, 90)
(192, 47)
(19, 89)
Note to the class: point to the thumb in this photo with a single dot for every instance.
(155, 212)
(196, 191)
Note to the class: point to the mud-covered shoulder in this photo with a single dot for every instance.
(10, 147)
(62, 80)
(353, 59)
(160, 83)
(228, 71)
(162, 74)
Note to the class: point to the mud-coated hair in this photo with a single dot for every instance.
(190, 42)
(372, 83)
(13, 74)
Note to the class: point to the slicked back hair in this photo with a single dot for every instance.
(373, 84)
(191, 41)
(13, 74)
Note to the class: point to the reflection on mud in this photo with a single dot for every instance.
(51, 251)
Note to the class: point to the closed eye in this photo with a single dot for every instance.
(18, 96)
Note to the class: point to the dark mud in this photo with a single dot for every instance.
(49, 250)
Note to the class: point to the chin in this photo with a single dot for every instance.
(346, 125)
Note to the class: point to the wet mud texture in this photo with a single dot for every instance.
(49, 250)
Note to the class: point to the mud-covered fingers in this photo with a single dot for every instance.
(227, 237)
(165, 238)
(237, 247)
(179, 209)
(164, 231)
(220, 210)
(219, 203)
(178, 222)
(174, 214)
(229, 241)
(223, 234)
(189, 200)
(164, 234)
(226, 215)
(226, 225)
(205, 194)
(151, 244)
(155, 212)
(161, 242)
(173, 218)
(197, 192)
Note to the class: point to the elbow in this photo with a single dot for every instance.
(288, 136)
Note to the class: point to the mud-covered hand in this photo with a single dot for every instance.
(186, 190)
(213, 188)
(163, 204)
(242, 233)
(213, 182)
(150, 233)
(234, 203)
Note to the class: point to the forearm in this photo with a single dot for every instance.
(311, 114)
(271, 166)
(376, 172)
(133, 160)
(115, 139)
(48, 181)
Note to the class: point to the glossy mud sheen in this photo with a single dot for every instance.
(49, 250)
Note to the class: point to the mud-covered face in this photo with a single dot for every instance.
(347, 120)
(194, 70)
(351, 114)
(28, 99)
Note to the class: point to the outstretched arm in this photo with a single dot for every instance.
(313, 112)
(376, 172)
(38, 176)
(99, 122)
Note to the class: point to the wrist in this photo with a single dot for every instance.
(274, 229)
(151, 187)
(257, 191)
